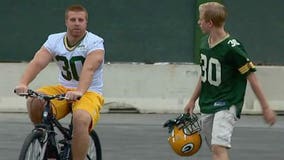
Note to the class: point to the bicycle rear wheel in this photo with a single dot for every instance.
(95, 150)
(34, 146)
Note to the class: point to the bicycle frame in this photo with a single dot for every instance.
(49, 119)
(45, 133)
(49, 122)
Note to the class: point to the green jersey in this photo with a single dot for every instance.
(224, 68)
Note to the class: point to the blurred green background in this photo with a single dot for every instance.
(146, 31)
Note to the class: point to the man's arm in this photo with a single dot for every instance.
(268, 114)
(91, 64)
(38, 63)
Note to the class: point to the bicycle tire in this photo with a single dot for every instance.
(94, 146)
(35, 140)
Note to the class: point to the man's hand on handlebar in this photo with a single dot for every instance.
(73, 95)
(20, 89)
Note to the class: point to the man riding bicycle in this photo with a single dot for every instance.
(79, 55)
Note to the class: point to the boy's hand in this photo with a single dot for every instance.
(269, 116)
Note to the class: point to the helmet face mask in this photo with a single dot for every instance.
(184, 139)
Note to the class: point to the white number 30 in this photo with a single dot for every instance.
(210, 70)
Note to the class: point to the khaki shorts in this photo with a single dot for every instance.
(91, 102)
(218, 128)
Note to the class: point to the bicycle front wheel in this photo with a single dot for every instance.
(95, 150)
(34, 146)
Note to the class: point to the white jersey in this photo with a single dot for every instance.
(71, 60)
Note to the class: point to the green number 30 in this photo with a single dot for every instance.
(69, 70)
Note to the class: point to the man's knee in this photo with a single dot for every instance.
(81, 120)
(35, 108)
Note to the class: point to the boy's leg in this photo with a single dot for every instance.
(223, 125)
(207, 123)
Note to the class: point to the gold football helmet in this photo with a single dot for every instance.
(184, 138)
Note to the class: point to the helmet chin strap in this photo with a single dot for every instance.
(190, 121)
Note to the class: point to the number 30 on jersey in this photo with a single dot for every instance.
(210, 70)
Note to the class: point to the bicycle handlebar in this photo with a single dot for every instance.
(31, 93)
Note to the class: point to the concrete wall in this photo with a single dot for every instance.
(158, 88)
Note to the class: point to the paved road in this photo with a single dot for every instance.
(141, 137)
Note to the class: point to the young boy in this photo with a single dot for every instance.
(225, 69)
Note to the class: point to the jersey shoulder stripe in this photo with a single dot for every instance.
(247, 67)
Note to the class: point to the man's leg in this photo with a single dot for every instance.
(80, 139)
(35, 108)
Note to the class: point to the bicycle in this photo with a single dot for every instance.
(43, 142)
